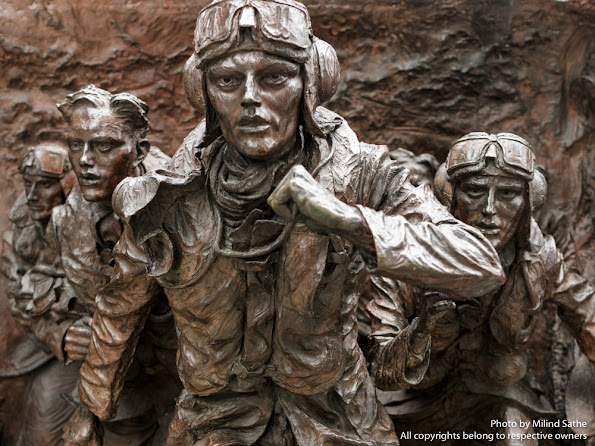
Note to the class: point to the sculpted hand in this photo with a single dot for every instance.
(434, 306)
(83, 429)
(77, 338)
(319, 209)
(315, 203)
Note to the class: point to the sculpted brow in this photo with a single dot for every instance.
(475, 182)
(515, 185)
(115, 129)
(222, 71)
(283, 67)
(108, 140)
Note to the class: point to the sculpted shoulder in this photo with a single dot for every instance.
(189, 155)
(143, 202)
(74, 204)
(156, 159)
(19, 214)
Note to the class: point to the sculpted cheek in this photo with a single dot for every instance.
(462, 207)
(514, 210)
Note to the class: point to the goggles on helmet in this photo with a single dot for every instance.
(273, 22)
(510, 152)
(45, 162)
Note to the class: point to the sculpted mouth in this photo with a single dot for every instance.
(488, 229)
(88, 179)
(253, 124)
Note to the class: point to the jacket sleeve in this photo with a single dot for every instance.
(48, 291)
(417, 240)
(575, 298)
(123, 306)
(393, 364)
(10, 264)
(12, 269)
(16, 262)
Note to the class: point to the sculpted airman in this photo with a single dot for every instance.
(256, 235)
(106, 143)
(464, 363)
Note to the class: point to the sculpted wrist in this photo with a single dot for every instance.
(356, 230)
(418, 342)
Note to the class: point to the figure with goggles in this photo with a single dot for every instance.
(464, 364)
(48, 178)
(264, 293)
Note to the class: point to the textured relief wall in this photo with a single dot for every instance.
(416, 74)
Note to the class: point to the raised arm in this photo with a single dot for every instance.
(403, 231)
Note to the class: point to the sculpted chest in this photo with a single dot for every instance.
(285, 318)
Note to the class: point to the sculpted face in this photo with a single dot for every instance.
(102, 151)
(43, 194)
(492, 202)
(257, 98)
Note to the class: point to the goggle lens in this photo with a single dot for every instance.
(51, 163)
(472, 150)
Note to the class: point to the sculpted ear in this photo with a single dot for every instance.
(442, 187)
(142, 150)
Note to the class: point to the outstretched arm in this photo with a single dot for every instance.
(411, 237)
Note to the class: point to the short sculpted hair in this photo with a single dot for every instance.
(125, 106)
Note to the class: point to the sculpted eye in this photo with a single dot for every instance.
(474, 192)
(75, 145)
(275, 79)
(509, 194)
(227, 82)
(107, 145)
(104, 147)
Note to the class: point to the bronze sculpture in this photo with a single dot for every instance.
(464, 365)
(422, 169)
(48, 179)
(107, 142)
(265, 306)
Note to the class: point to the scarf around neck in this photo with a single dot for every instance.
(239, 185)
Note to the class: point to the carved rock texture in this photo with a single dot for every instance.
(415, 74)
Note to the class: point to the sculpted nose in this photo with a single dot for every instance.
(490, 206)
(32, 195)
(251, 93)
(86, 157)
